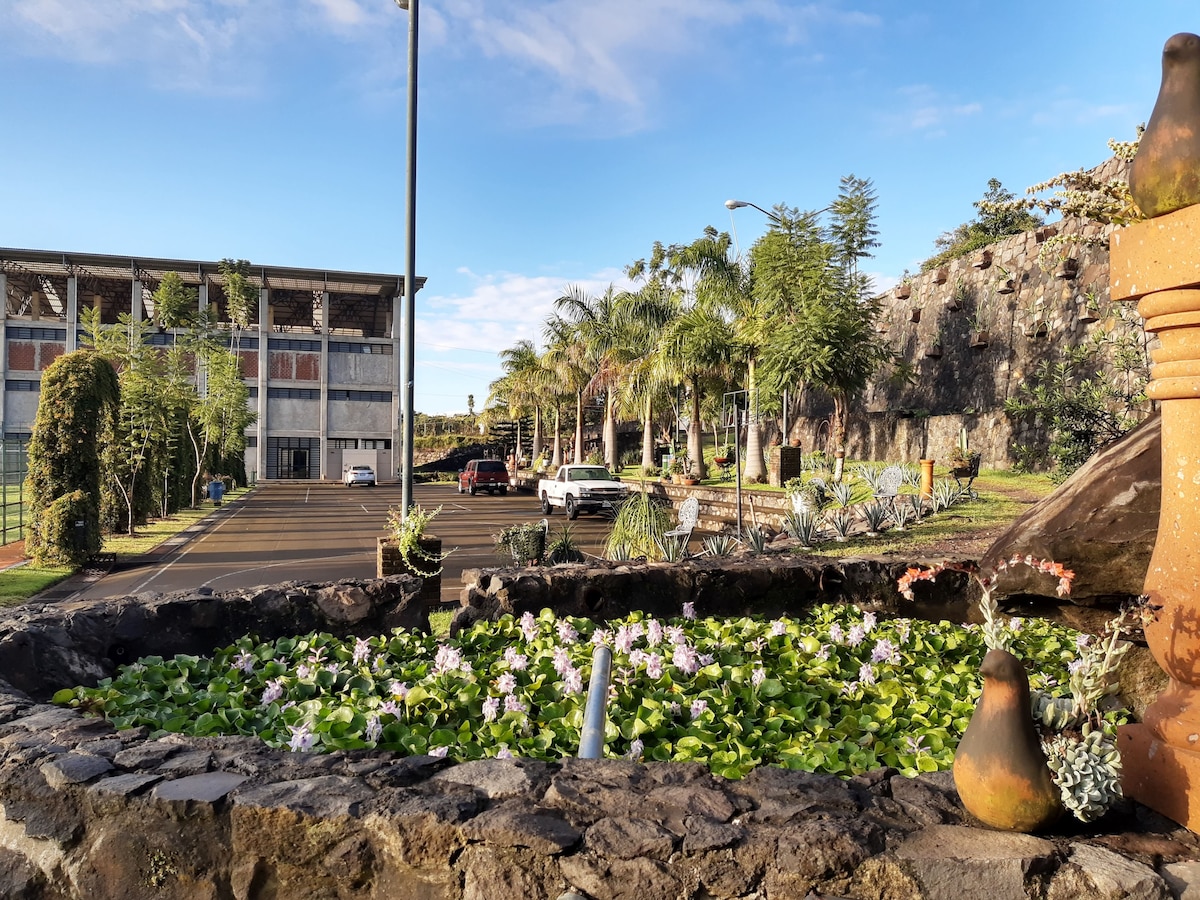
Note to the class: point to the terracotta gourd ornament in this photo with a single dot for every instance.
(1165, 174)
(999, 768)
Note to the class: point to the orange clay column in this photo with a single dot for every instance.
(926, 479)
(1158, 263)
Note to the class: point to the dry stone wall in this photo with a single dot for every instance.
(1030, 303)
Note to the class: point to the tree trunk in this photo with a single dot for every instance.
(610, 431)
(535, 448)
(696, 436)
(578, 427)
(754, 472)
(839, 422)
(556, 453)
(648, 437)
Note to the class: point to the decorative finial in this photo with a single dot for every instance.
(1165, 173)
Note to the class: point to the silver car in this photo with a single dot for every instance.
(359, 475)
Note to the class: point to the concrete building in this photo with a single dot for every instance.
(321, 356)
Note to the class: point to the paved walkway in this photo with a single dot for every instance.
(12, 554)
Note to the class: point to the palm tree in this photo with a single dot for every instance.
(518, 388)
(566, 357)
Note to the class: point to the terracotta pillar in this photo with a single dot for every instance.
(927, 479)
(1157, 262)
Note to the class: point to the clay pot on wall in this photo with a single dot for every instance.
(1007, 286)
(903, 291)
(934, 351)
(915, 315)
(983, 259)
(999, 768)
(940, 275)
(1087, 314)
(979, 339)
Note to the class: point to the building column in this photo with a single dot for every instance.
(397, 375)
(324, 424)
(135, 300)
(72, 313)
(3, 351)
(264, 372)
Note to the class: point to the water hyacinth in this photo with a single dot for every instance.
(731, 693)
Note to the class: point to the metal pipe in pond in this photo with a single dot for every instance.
(591, 741)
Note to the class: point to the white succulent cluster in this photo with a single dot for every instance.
(1087, 771)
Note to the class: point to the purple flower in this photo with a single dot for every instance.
(529, 626)
(301, 738)
(513, 703)
(869, 620)
(516, 661)
(856, 635)
(439, 752)
(849, 688)
(778, 627)
(654, 666)
(374, 728)
(675, 635)
(1016, 624)
(304, 671)
(390, 707)
(698, 706)
(573, 681)
(491, 708)
(707, 659)
(637, 657)
(914, 745)
(654, 633)
(448, 659)
(601, 636)
(637, 629)
(823, 653)
(399, 690)
(623, 642)
(362, 649)
(561, 660)
(273, 692)
(506, 683)
(1075, 665)
(245, 661)
(684, 659)
(689, 610)
(635, 749)
(885, 651)
(866, 674)
(566, 632)
(673, 708)
(835, 632)
(504, 752)
(1082, 640)
(758, 676)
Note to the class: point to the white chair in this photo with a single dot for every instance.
(689, 512)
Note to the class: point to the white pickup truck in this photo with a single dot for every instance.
(581, 488)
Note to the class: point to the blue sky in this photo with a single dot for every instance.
(558, 139)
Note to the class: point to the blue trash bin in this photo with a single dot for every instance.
(216, 490)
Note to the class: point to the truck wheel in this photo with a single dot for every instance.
(471, 490)
(547, 509)
(572, 509)
(503, 491)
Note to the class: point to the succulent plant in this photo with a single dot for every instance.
(1087, 771)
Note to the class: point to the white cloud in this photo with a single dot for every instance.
(921, 108)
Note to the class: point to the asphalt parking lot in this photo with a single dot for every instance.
(315, 531)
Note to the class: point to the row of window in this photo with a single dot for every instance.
(275, 393)
(162, 338)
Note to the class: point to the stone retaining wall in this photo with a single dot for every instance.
(93, 813)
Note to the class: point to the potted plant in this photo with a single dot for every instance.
(1005, 284)
(1090, 307)
(958, 297)
(964, 462)
(679, 466)
(526, 542)
(934, 350)
(979, 325)
(940, 275)
(408, 549)
(904, 288)
(723, 455)
(1068, 268)
(983, 259)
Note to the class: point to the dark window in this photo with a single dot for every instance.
(14, 385)
(30, 333)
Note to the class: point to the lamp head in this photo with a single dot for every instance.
(729, 204)
(403, 4)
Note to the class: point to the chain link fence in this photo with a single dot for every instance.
(14, 459)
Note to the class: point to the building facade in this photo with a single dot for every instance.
(321, 355)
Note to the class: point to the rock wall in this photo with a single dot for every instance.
(1030, 306)
(88, 812)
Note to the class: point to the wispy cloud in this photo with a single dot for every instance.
(920, 108)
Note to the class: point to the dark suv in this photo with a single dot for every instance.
(483, 475)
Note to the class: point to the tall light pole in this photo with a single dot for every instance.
(738, 204)
(410, 265)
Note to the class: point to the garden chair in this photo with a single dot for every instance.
(889, 484)
(689, 513)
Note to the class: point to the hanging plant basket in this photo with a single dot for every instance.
(915, 315)
(1037, 330)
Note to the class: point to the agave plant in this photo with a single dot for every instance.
(803, 526)
(912, 475)
(875, 514)
(917, 505)
(720, 544)
(756, 539)
(945, 495)
(672, 548)
(841, 522)
(903, 513)
(842, 492)
(871, 474)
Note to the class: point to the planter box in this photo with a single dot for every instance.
(940, 276)
(934, 352)
(390, 562)
(915, 315)
(1068, 268)
(979, 339)
(983, 259)
(904, 291)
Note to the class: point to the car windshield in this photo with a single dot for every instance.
(360, 468)
(591, 473)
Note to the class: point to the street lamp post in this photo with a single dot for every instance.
(410, 264)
